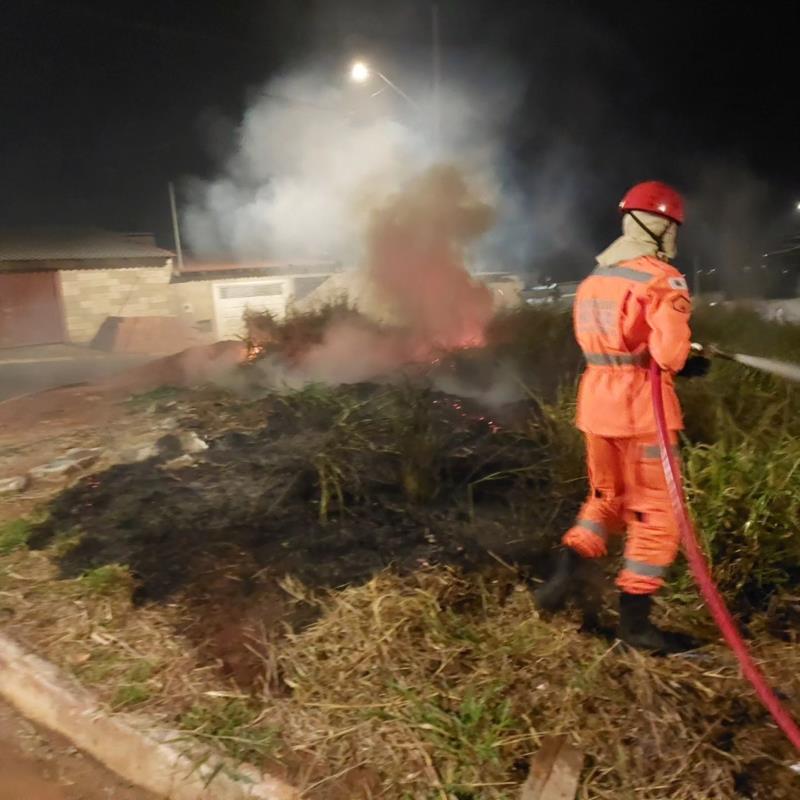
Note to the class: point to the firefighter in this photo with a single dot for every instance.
(634, 307)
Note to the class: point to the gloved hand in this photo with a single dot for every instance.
(697, 365)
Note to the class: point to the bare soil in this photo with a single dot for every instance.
(38, 765)
(97, 403)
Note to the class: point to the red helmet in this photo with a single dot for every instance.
(655, 197)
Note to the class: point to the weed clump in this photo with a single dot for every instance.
(14, 535)
(237, 725)
(107, 579)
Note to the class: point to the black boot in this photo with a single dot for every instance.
(553, 595)
(636, 629)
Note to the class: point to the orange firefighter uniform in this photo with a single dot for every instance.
(625, 315)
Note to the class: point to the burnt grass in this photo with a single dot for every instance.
(329, 487)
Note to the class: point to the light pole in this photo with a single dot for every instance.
(176, 231)
(437, 73)
(361, 72)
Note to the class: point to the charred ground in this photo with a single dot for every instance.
(326, 486)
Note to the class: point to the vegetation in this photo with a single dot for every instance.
(13, 535)
(107, 579)
(440, 684)
(237, 725)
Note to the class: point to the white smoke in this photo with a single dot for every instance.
(313, 159)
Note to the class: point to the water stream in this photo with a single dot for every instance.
(783, 369)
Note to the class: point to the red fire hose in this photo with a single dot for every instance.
(702, 573)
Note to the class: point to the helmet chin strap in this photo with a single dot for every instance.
(657, 238)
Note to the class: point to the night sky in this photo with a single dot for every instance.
(105, 102)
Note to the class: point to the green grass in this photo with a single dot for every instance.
(468, 733)
(14, 535)
(140, 672)
(745, 498)
(235, 724)
(471, 730)
(107, 579)
(133, 689)
(101, 665)
(129, 696)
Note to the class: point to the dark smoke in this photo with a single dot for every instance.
(424, 300)
(416, 258)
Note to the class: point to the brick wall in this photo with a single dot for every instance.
(92, 295)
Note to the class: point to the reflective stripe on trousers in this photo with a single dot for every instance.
(644, 569)
(597, 528)
(653, 451)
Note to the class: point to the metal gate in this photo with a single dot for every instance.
(232, 300)
(30, 309)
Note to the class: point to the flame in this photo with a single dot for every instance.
(254, 351)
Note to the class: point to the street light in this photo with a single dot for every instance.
(360, 72)
(797, 207)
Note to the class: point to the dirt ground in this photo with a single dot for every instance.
(38, 765)
(33, 369)
(91, 405)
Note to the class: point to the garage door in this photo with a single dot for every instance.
(30, 309)
(232, 300)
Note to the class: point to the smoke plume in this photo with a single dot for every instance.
(337, 172)
(426, 300)
(416, 258)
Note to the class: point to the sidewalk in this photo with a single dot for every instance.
(32, 369)
(55, 352)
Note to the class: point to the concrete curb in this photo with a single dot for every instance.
(41, 692)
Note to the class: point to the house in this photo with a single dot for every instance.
(354, 287)
(212, 296)
(61, 284)
(120, 291)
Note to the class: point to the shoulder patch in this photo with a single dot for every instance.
(682, 304)
(679, 284)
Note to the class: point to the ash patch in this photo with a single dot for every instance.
(335, 486)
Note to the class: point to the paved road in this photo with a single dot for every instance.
(35, 765)
(31, 369)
